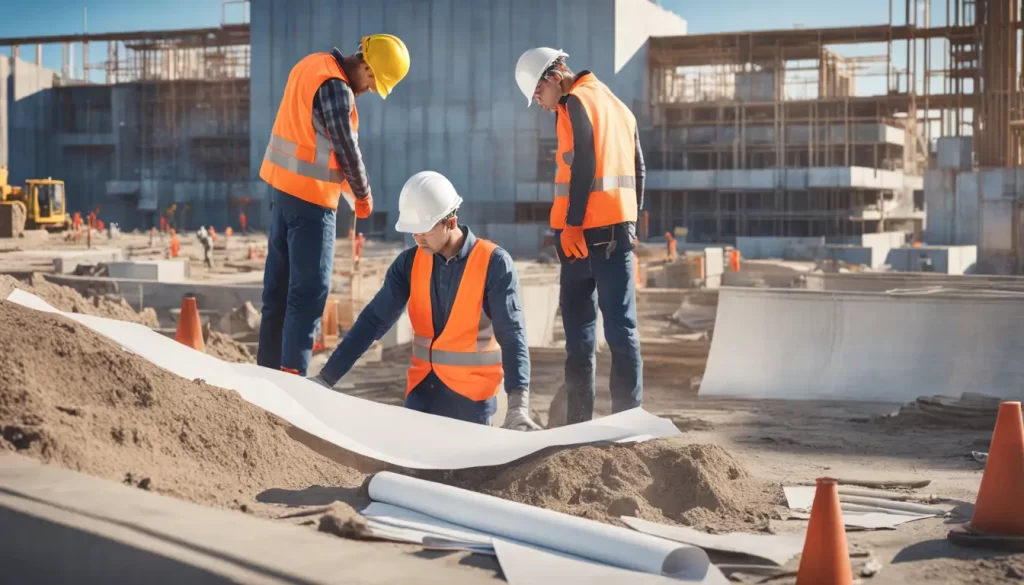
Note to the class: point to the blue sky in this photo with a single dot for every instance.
(47, 17)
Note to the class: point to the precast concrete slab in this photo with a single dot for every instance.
(169, 270)
(59, 526)
(873, 347)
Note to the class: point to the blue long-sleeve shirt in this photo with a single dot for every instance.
(584, 163)
(333, 104)
(502, 304)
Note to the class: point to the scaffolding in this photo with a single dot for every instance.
(781, 100)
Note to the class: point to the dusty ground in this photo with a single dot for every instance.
(65, 414)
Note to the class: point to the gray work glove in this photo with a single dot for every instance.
(517, 418)
(320, 380)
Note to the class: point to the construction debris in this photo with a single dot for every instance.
(221, 345)
(971, 410)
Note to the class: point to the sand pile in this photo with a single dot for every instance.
(222, 346)
(666, 480)
(71, 397)
(69, 300)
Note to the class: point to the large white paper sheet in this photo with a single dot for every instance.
(800, 498)
(777, 548)
(387, 433)
(529, 565)
(578, 537)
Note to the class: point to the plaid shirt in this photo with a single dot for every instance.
(333, 105)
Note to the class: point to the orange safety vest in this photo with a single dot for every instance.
(465, 356)
(300, 157)
(613, 193)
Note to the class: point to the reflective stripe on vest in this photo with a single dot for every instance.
(612, 197)
(283, 153)
(299, 159)
(465, 355)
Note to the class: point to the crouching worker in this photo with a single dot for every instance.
(466, 312)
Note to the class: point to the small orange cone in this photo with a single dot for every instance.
(999, 508)
(190, 332)
(826, 559)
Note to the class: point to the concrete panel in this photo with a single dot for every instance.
(66, 527)
(966, 207)
(172, 270)
(804, 345)
(954, 152)
(755, 248)
(66, 261)
(955, 260)
(714, 262)
(856, 255)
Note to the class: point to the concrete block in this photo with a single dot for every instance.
(171, 270)
(756, 248)
(714, 262)
(66, 261)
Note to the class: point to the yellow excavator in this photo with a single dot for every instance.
(40, 204)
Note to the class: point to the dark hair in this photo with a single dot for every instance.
(558, 66)
(451, 214)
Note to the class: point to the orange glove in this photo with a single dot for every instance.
(364, 207)
(574, 245)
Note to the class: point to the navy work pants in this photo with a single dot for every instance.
(296, 281)
(608, 271)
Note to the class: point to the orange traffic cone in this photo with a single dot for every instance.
(999, 508)
(826, 559)
(190, 332)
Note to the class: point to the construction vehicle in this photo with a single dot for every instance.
(42, 203)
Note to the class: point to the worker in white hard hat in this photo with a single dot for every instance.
(467, 316)
(598, 193)
(312, 162)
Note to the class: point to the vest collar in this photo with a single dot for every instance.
(579, 79)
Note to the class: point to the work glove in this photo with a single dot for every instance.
(364, 207)
(320, 380)
(517, 418)
(574, 245)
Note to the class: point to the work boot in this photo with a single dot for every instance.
(559, 408)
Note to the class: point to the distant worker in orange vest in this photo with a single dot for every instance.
(313, 160)
(599, 189)
(466, 311)
(360, 240)
(670, 247)
(242, 221)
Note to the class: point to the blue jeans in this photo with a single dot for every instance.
(433, 397)
(608, 271)
(296, 281)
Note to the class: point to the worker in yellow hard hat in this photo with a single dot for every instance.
(312, 161)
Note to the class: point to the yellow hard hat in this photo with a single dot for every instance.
(388, 58)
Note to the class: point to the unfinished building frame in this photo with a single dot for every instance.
(765, 133)
(164, 119)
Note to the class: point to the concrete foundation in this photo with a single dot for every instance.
(65, 527)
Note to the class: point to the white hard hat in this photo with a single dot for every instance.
(532, 64)
(426, 199)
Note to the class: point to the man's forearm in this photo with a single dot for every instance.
(336, 103)
(641, 173)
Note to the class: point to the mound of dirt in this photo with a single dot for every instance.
(70, 397)
(665, 480)
(69, 300)
(222, 346)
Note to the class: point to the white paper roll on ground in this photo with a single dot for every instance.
(587, 539)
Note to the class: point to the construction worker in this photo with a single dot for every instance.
(670, 247)
(358, 253)
(464, 303)
(598, 194)
(313, 159)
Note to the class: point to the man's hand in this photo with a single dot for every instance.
(320, 380)
(517, 418)
(574, 245)
(364, 207)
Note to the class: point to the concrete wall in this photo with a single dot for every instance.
(756, 248)
(976, 208)
(954, 260)
(26, 130)
(459, 111)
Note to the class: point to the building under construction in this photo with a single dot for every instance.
(775, 133)
(161, 117)
(788, 133)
